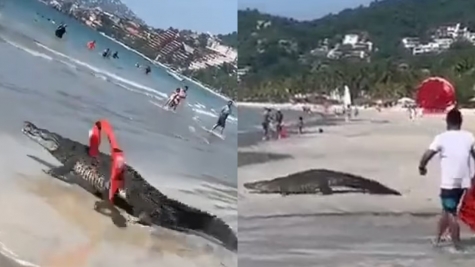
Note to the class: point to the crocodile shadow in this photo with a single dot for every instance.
(115, 215)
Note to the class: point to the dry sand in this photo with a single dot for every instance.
(48, 223)
(298, 230)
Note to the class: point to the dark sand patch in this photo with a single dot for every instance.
(248, 158)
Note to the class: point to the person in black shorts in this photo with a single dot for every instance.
(279, 118)
(265, 123)
(223, 116)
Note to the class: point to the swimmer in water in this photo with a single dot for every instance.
(91, 45)
(181, 96)
(61, 30)
(115, 55)
(148, 70)
(173, 101)
(106, 53)
(223, 116)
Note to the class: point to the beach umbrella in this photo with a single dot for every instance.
(435, 94)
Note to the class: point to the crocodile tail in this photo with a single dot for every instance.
(194, 219)
(379, 188)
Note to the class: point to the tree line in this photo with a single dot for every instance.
(274, 71)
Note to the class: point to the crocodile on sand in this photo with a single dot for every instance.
(318, 181)
(137, 198)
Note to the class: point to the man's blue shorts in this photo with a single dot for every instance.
(450, 199)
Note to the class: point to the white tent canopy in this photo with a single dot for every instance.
(405, 100)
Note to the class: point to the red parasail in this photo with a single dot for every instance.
(435, 94)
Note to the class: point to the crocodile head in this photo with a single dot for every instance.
(262, 187)
(45, 138)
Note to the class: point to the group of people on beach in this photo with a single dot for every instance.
(276, 119)
(180, 94)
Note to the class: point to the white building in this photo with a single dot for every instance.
(351, 39)
(410, 42)
(426, 48)
(444, 43)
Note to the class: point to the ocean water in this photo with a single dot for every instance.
(58, 84)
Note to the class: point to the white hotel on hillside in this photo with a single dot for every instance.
(443, 38)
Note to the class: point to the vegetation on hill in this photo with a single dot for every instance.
(229, 39)
(276, 51)
(222, 78)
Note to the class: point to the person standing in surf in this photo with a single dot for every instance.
(455, 147)
(223, 116)
(172, 100)
(266, 122)
(279, 119)
(61, 30)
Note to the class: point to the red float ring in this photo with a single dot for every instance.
(117, 155)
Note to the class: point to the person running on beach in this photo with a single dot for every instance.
(279, 118)
(265, 123)
(223, 116)
(455, 147)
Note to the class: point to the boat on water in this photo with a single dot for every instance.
(175, 75)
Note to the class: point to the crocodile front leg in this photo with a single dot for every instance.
(63, 171)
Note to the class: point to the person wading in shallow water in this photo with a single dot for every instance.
(455, 147)
(279, 118)
(265, 123)
(223, 116)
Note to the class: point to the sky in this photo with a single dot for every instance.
(214, 16)
(301, 9)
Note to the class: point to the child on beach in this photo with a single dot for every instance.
(455, 147)
(300, 125)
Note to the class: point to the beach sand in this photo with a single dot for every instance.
(49, 223)
(346, 229)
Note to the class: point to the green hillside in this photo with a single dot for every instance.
(279, 53)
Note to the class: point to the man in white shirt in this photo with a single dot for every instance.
(455, 147)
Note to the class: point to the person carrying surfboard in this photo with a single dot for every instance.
(223, 116)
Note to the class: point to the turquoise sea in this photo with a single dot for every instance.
(60, 85)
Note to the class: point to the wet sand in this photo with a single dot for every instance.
(52, 224)
(351, 229)
(247, 158)
(253, 136)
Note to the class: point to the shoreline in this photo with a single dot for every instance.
(198, 83)
(354, 147)
(283, 106)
